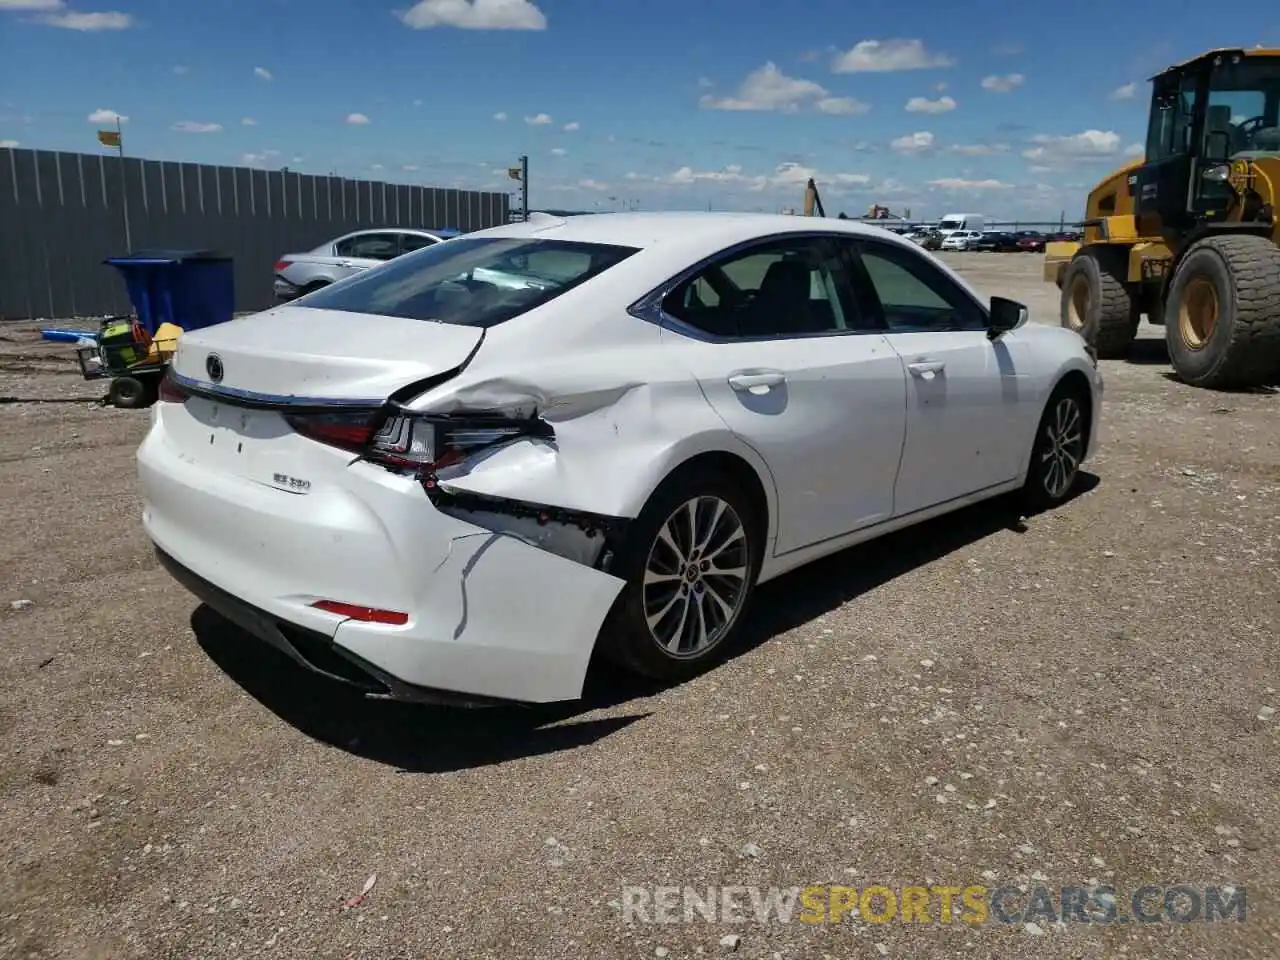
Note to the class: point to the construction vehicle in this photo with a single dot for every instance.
(1189, 235)
(812, 201)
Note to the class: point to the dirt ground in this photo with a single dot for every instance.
(1080, 699)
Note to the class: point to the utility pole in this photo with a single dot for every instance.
(521, 173)
(115, 138)
(524, 187)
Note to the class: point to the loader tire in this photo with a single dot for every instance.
(1222, 316)
(1097, 305)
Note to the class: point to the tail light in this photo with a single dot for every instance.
(171, 391)
(283, 265)
(428, 443)
(423, 443)
(347, 431)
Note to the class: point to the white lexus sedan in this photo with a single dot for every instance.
(454, 475)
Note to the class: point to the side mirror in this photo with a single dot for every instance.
(1005, 316)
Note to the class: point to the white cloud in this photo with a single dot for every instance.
(572, 126)
(262, 73)
(913, 142)
(102, 115)
(357, 119)
(768, 88)
(925, 105)
(31, 4)
(1058, 151)
(705, 83)
(410, 168)
(1134, 150)
(593, 185)
(191, 126)
(248, 122)
(841, 106)
(181, 70)
(787, 176)
(884, 56)
(979, 149)
(559, 151)
(260, 159)
(500, 116)
(8, 144)
(1126, 92)
(474, 15)
(539, 120)
(87, 22)
(1002, 84)
(417, 103)
(955, 183)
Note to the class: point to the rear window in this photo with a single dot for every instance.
(471, 281)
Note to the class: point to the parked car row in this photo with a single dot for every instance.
(1000, 241)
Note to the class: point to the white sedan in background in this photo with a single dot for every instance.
(453, 475)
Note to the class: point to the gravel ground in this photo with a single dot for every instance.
(1079, 699)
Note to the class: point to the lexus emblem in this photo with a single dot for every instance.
(213, 365)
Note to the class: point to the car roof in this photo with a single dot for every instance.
(679, 229)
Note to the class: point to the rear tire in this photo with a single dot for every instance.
(1222, 316)
(676, 617)
(1097, 305)
(1062, 439)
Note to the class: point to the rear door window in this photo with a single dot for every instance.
(370, 246)
(477, 282)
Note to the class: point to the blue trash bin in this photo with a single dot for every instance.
(190, 288)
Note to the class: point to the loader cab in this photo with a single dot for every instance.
(1221, 106)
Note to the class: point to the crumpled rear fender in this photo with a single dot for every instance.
(616, 437)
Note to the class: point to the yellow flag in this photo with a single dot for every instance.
(109, 138)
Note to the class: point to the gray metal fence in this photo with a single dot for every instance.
(62, 214)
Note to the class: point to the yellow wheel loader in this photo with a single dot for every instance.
(1189, 236)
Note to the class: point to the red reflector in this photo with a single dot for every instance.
(171, 391)
(282, 265)
(363, 614)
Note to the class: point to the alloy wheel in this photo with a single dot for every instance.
(696, 577)
(1063, 447)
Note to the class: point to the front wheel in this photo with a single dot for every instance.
(690, 561)
(1059, 449)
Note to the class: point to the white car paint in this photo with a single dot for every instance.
(850, 435)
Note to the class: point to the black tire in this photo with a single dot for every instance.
(132, 393)
(313, 287)
(1044, 488)
(1096, 303)
(1240, 348)
(627, 638)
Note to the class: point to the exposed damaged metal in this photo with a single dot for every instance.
(585, 538)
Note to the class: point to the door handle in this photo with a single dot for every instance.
(926, 369)
(757, 381)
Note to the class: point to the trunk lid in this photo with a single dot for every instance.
(293, 354)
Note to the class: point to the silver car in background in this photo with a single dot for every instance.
(302, 273)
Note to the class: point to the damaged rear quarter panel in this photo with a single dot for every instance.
(624, 417)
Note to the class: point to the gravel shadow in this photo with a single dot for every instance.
(429, 739)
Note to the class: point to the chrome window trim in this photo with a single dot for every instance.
(649, 307)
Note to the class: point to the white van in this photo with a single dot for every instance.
(952, 222)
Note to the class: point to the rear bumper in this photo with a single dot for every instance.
(284, 290)
(489, 616)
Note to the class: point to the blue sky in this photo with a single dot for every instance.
(1008, 108)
